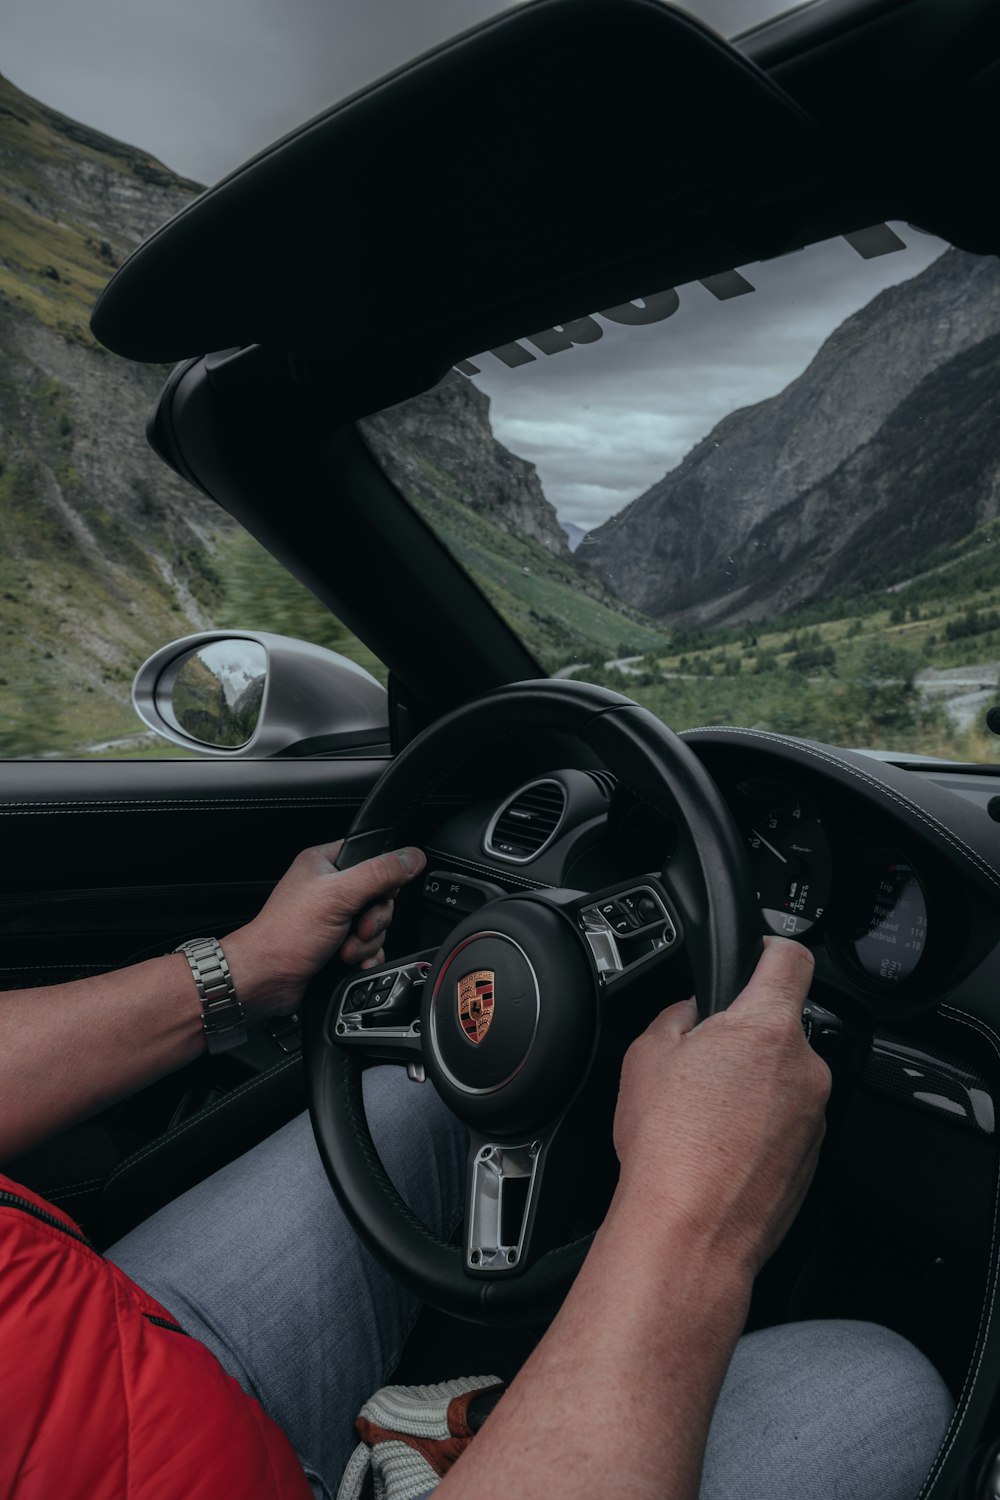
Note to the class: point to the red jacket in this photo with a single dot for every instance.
(102, 1396)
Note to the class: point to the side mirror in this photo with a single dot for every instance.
(251, 694)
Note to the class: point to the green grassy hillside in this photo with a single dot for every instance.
(854, 671)
(256, 593)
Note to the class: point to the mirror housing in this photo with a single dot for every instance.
(250, 694)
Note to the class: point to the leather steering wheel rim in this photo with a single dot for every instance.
(710, 884)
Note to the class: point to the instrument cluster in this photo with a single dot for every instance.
(842, 879)
(843, 857)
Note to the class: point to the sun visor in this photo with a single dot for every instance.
(567, 156)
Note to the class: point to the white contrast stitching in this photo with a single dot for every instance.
(986, 1316)
(148, 804)
(203, 1114)
(952, 838)
(73, 1192)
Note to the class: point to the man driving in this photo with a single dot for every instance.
(225, 1346)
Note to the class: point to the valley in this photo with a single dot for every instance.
(825, 562)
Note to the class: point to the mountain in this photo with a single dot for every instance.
(489, 508)
(105, 554)
(929, 477)
(445, 437)
(712, 540)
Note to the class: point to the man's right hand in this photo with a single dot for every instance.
(718, 1128)
(719, 1124)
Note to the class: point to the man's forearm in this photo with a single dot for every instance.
(69, 1050)
(619, 1395)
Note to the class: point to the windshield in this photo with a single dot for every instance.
(764, 499)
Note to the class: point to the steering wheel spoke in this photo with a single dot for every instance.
(377, 1011)
(628, 928)
(520, 1199)
(501, 1204)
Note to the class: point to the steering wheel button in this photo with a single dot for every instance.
(357, 996)
(648, 910)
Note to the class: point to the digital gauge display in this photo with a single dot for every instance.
(789, 853)
(888, 917)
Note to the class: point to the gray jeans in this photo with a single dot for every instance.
(260, 1264)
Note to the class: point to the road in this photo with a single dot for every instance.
(626, 664)
(965, 693)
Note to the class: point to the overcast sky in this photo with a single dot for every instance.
(203, 84)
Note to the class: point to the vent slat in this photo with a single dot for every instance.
(527, 822)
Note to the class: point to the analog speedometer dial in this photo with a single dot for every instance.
(789, 853)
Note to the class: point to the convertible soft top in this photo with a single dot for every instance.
(566, 156)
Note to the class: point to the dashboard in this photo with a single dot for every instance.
(889, 873)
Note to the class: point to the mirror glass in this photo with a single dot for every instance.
(217, 691)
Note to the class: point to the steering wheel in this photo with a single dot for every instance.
(506, 1017)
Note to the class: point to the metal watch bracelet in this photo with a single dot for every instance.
(222, 1015)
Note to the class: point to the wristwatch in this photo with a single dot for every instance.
(222, 1014)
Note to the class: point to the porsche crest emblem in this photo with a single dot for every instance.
(475, 1003)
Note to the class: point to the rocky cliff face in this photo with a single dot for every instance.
(446, 435)
(714, 538)
(929, 476)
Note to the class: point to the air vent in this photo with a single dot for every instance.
(526, 822)
(604, 781)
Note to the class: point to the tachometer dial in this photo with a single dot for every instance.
(789, 853)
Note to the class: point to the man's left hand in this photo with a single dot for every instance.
(313, 912)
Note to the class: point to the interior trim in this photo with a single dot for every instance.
(976, 1396)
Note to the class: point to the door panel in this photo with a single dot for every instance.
(107, 863)
(74, 825)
